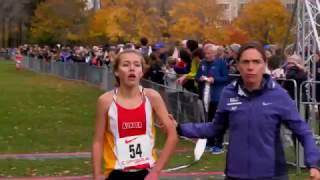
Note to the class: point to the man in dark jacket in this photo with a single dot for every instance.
(295, 70)
(213, 71)
(253, 108)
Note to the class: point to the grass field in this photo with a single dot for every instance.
(41, 113)
(44, 114)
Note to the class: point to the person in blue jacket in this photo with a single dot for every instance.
(252, 108)
(212, 70)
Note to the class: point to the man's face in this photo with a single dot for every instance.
(251, 67)
(228, 53)
(210, 54)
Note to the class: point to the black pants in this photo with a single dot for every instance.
(216, 141)
(117, 174)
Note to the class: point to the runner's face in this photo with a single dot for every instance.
(130, 69)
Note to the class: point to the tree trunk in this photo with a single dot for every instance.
(6, 32)
(10, 37)
(20, 33)
(163, 7)
(3, 32)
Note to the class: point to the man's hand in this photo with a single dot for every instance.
(203, 78)
(314, 174)
(210, 80)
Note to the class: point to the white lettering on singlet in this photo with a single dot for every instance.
(131, 125)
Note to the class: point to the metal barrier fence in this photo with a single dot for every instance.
(4, 55)
(184, 105)
(291, 152)
(309, 109)
(99, 76)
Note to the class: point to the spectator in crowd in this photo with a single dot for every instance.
(89, 57)
(221, 53)
(192, 45)
(231, 55)
(269, 54)
(161, 52)
(183, 63)
(65, 55)
(106, 58)
(274, 65)
(197, 55)
(170, 77)
(296, 71)
(112, 54)
(154, 72)
(144, 49)
(252, 108)
(188, 80)
(213, 71)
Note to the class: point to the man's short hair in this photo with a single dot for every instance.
(144, 41)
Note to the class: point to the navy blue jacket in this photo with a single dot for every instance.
(255, 149)
(217, 69)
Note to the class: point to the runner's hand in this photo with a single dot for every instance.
(172, 118)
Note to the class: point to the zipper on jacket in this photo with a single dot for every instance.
(250, 101)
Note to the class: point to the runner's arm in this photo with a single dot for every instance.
(97, 146)
(169, 127)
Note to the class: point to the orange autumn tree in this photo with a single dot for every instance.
(194, 19)
(127, 20)
(264, 20)
(58, 21)
(233, 34)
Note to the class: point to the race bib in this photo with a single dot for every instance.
(134, 151)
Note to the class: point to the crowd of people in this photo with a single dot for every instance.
(203, 69)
